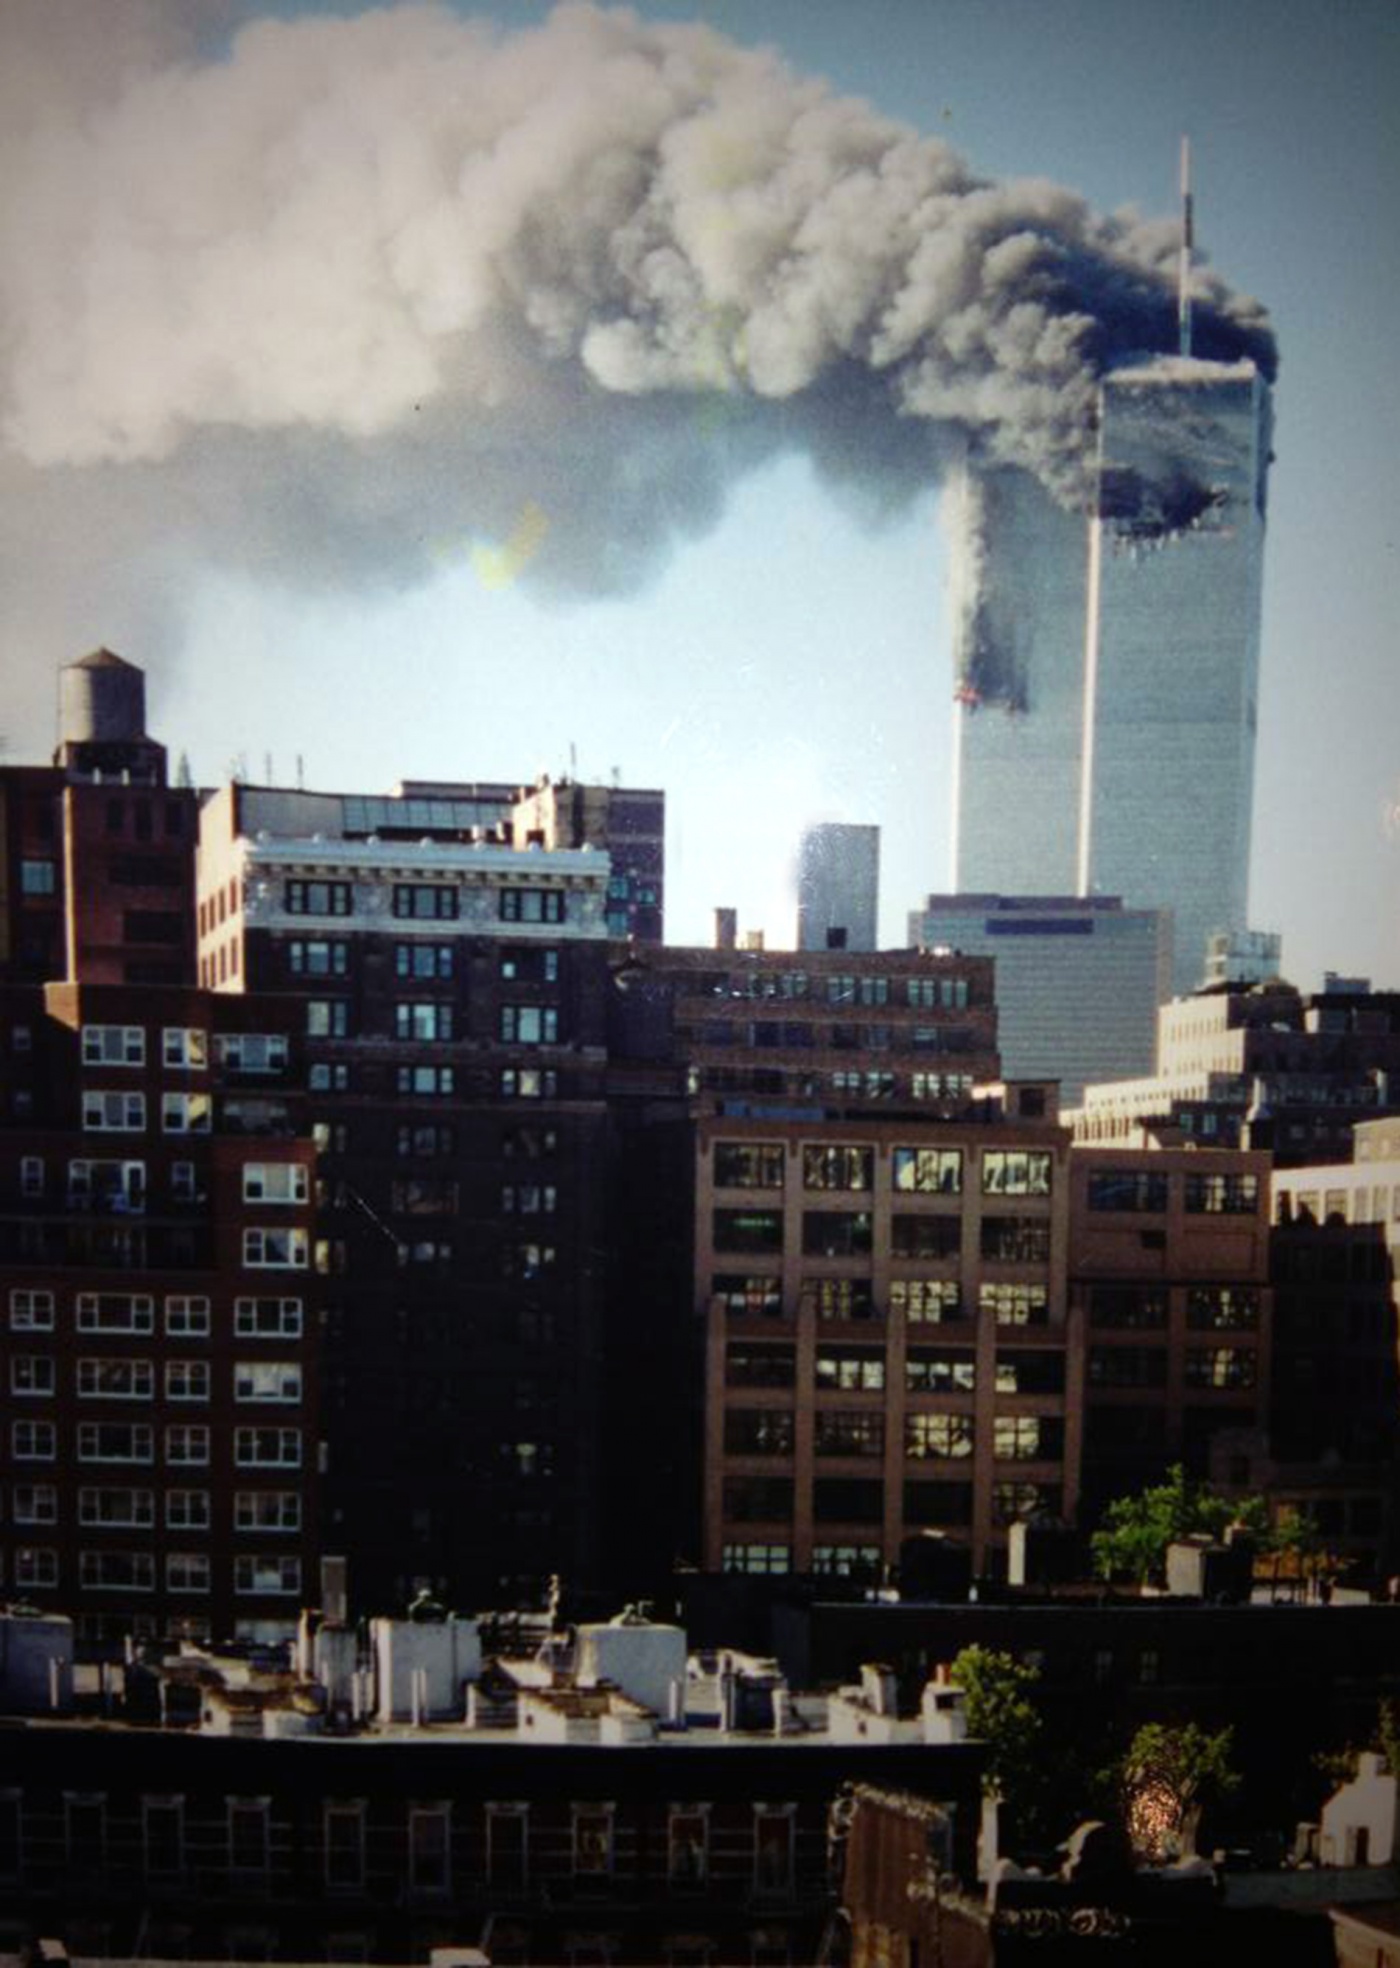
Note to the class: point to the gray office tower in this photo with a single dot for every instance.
(1078, 981)
(1107, 665)
(838, 888)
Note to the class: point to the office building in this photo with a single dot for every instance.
(1107, 666)
(890, 1347)
(838, 888)
(1078, 980)
(1260, 1066)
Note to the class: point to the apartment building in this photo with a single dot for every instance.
(160, 1378)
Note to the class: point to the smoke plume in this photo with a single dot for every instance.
(332, 296)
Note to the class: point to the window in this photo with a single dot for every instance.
(187, 1571)
(113, 1113)
(532, 905)
(31, 1311)
(429, 1848)
(251, 1052)
(836, 1233)
(274, 1182)
(755, 1364)
(116, 1380)
(187, 1510)
(187, 1380)
(748, 1165)
(117, 1571)
(344, 1833)
(507, 1840)
(688, 1845)
(187, 1318)
(111, 1188)
(1127, 1366)
(529, 1025)
(851, 1369)
(1127, 1308)
(848, 1432)
(32, 1375)
(117, 1507)
(33, 1441)
(1220, 1366)
(34, 1503)
(38, 878)
(770, 1560)
(928, 1171)
(36, 1566)
(31, 1176)
(840, 1298)
(743, 1294)
(1013, 1502)
(772, 1848)
(187, 1445)
(317, 898)
(925, 1236)
(1027, 1438)
(267, 1510)
(267, 1448)
(186, 1113)
(840, 1168)
(942, 1437)
(926, 1301)
(423, 1023)
(267, 1380)
(425, 960)
(593, 1839)
(758, 1431)
(327, 1018)
(1138, 1190)
(318, 957)
(115, 1311)
(1016, 1239)
(1014, 1305)
(267, 1318)
(939, 1371)
(757, 1499)
(1222, 1195)
(163, 1824)
(260, 1573)
(247, 1836)
(427, 1081)
(185, 1047)
(1015, 1172)
(1222, 1308)
(517, 1198)
(1039, 1372)
(114, 1045)
(184, 1183)
(430, 1141)
(748, 1230)
(846, 1560)
(275, 1250)
(424, 902)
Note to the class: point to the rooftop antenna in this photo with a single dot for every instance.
(1183, 273)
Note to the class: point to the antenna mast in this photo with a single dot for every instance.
(1183, 274)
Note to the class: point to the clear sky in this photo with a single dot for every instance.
(770, 639)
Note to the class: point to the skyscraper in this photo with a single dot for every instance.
(1107, 665)
(838, 888)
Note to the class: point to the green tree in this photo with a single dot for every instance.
(1169, 1775)
(1001, 1713)
(1136, 1530)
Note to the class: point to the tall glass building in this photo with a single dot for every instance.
(1108, 664)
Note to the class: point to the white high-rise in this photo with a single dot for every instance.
(1108, 664)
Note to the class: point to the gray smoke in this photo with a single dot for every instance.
(334, 296)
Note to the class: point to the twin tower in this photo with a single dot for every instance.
(1107, 664)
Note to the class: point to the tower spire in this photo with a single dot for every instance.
(1183, 274)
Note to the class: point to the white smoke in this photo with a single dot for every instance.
(314, 299)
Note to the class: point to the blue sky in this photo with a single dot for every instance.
(791, 663)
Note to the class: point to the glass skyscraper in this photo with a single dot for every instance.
(1108, 664)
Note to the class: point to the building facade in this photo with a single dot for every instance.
(838, 888)
(1107, 667)
(1078, 980)
(890, 1346)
